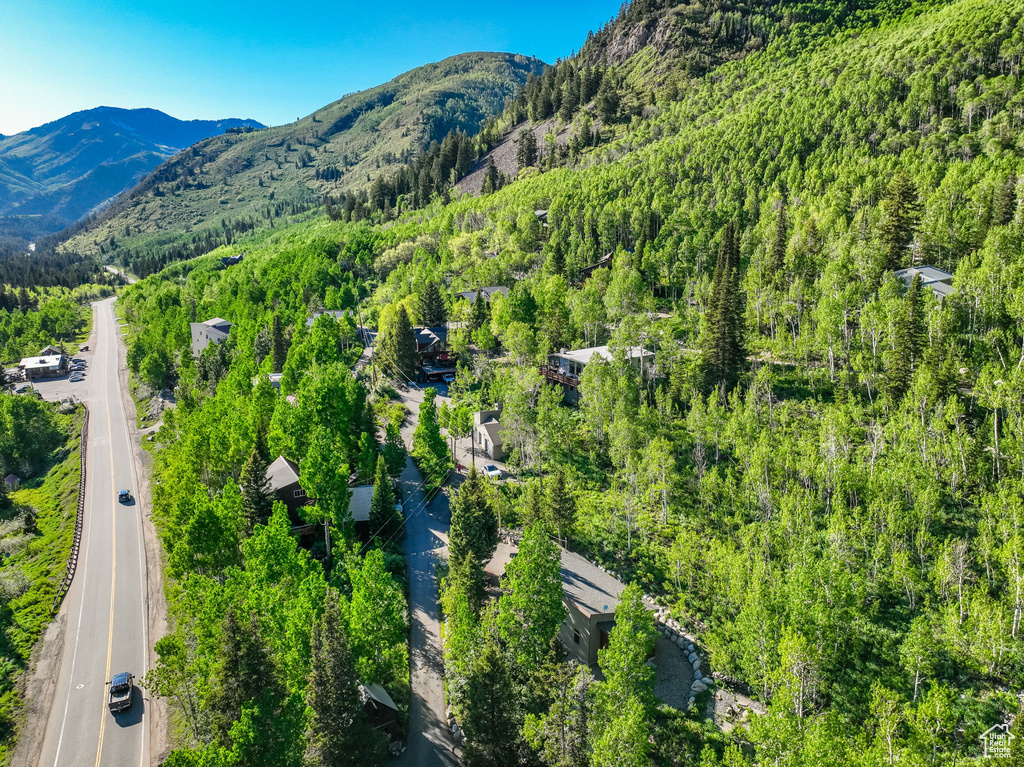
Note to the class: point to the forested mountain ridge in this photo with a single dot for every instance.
(821, 473)
(67, 167)
(248, 180)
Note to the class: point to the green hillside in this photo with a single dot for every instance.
(821, 474)
(53, 175)
(244, 181)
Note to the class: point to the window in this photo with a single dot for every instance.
(576, 636)
(300, 493)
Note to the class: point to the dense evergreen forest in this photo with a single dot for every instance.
(821, 472)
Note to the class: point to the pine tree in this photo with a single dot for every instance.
(556, 259)
(428, 446)
(278, 348)
(394, 450)
(431, 309)
(367, 456)
(492, 178)
(559, 504)
(246, 673)
(337, 732)
(901, 210)
(560, 735)
(383, 518)
(396, 345)
(526, 149)
(570, 98)
(908, 341)
(480, 312)
(257, 495)
(722, 343)
(607, 100)
(492, 711)
(474, 527)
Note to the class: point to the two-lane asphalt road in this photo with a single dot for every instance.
(105, 611)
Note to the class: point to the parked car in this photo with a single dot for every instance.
(78, 360)
(23, 388)
(76, 378)
(493, 471)
(123, 496)
(119, 697)
(448, 378)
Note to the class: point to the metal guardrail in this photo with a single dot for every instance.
(69, 573)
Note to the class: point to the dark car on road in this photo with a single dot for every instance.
(124, 496)
(119, 697)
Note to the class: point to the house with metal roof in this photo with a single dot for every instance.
(486, 293)
(933, 278)
(51, 366)
(213, 331)
(566, 367)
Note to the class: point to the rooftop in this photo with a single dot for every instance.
(929, 274)
(488, 292)
(282, 473)
(359, 505)
(429, 336)
(219, 323)
(583, 356)
(590, 588)
(41, 362)
(492, 427)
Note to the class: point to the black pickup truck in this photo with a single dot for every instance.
(119, 697)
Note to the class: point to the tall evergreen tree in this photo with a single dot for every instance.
(901, 210)
(337, 732)
(608, 99)
(474, 527)
(429, 448)
(278, 347)
(526, 148)
(723, 339)
(383, 518)
(246, 674)
(492, 712)
(492, 178)
(480, 312)
(430, 307)
(560, 735)
(559, 504)
(396, 346)
(394, 450)
(909, 340)
(257, 496)
(368, 454)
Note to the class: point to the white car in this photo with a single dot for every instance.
(493, 471)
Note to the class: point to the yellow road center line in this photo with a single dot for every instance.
(113, 581)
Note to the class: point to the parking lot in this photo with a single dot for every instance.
(56, 389)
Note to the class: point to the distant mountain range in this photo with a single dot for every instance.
(251, 179)
(57, 173)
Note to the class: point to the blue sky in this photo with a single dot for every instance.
(270, 61)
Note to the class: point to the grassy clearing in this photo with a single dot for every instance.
(35, 541)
